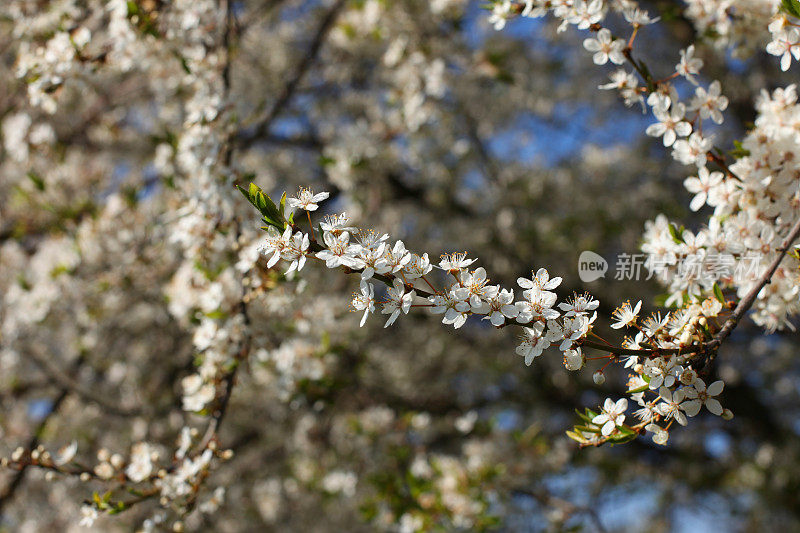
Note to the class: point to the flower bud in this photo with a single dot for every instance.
(598, 378)
(117, 461)
(727, 414)
(661, 437)
(574, 359)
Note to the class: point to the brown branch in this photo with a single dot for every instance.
(34, 439)
(68, 383)
(695, 349)
(263, 126)
(747, 302)
(617, 350)
(730, 324)
(230, 378)
(720, 162)
(566, 506)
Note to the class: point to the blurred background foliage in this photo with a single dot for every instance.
(425, 123)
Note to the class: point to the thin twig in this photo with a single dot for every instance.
(694, 349)
(34, 439)
(66, 382)
(730, 324)
(230, 378)
(566, 506)
(285, 96)
(747, 302)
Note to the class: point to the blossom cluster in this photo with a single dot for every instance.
(206, 290)
(755, 198)
(175, 486)
(214, 263)
(755, 201)
(755, 204)
(740, 25)
(466, 291)
(663, 381)
(67, 57)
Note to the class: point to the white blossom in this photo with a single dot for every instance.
(611, 416)
(605, 48)
(306, 199)
(701, 186)
(398, 300)
(532, 343)
(625, 315)
(670, 124)
(364, 301)
(689, 65)
(699, 394)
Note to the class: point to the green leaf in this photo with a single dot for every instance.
(271, 215)
(623, 438)
(625, 430)
(325, 161)
(791, 7)
(117, 508)
(37, 180)
(677, 233)
(184, 64)
(718, 294)
(638, 389)
(24, 283)
(576, 437)
(739, 150)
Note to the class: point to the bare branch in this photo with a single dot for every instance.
(263, 126)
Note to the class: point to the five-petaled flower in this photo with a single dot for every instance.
(605, 48)
(455, 261)
(306, 199)
(533, 343)
(364, 301)
(625, 315)
(705, 396)
(398, 300)
(689, 64)
(611, 416)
